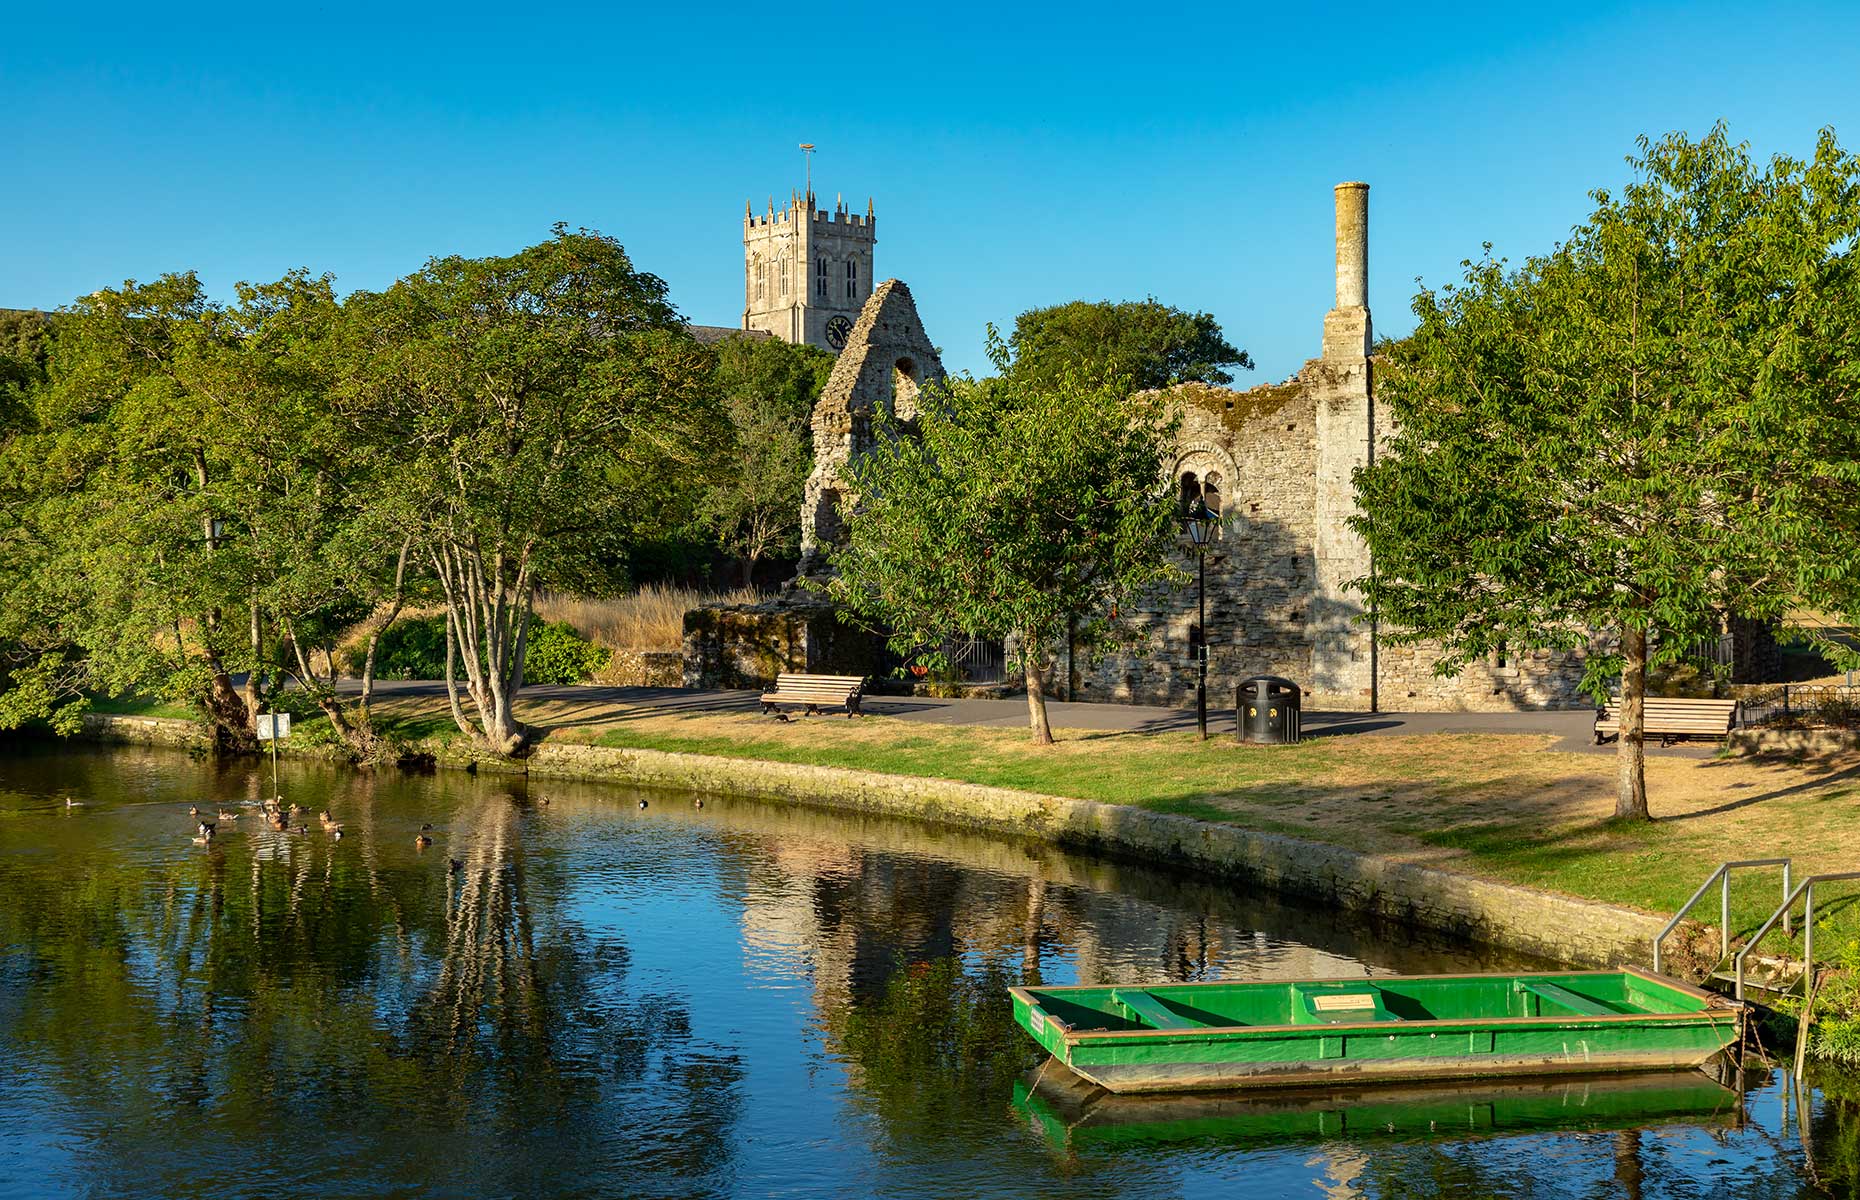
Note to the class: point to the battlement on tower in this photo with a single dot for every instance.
(839, 220)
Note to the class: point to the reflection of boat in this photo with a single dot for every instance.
(1213, 1036)
(1071, 1113)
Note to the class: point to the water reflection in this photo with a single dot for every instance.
(739, 1000)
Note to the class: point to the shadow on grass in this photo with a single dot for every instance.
(1827, 776)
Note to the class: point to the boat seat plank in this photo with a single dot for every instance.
(1569, 999)
(1151, 1010)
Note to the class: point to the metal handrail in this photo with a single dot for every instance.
(1807, 886)
(1722, 877)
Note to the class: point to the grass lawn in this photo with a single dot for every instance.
(1500, 806)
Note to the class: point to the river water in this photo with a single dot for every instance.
(569, 994)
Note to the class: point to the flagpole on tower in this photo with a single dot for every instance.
(807, 152)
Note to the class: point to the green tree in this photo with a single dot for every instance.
(1145, 341)
(1646, 429)
(537, 406)
(766, 388)
(1023, 501)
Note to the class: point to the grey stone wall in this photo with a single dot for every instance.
(748, 645)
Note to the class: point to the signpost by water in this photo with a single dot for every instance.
(271, 728)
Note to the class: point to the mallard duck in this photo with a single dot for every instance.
(193, 810)
(281, 823)
(298, 808)
(698, 803)
(226, 814)
(457, 865)
(426, 828)
(336, 833)
(70, 802)
(326, 818)
(642, 804)
(422, 841)
(205, 835)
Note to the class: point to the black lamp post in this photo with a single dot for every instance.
(1201, 522)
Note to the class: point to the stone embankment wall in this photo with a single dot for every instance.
(144, 731)
(1541, 923)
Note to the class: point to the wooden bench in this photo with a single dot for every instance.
(1671, 720)
(811, 693)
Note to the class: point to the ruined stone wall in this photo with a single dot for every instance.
(1261, 444)
(748, 645)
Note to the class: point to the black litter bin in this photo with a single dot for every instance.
(1269, 709)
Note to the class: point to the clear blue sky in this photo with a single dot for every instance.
(1018, 157)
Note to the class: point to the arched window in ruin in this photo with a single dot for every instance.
(1211, 485)
(904, 385)
(828, 528)
(1191, 491)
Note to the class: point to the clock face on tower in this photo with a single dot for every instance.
(838, 330)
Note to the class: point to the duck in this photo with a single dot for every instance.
(457, 865)
(336, 833)
(698, 803)
(325, 818)
(226, 814)
(281, 823)
(422, 841)
(298, 808)
(71, 802)
(205, 835)
(193, 810)
(642, 804)
(426, 827)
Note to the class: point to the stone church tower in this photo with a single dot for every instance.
(807, 271)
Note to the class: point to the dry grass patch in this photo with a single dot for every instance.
(652, 618)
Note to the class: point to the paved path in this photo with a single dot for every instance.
(1573, 726)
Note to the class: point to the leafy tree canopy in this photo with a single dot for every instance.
(1636, 434)
(1146, 342)
(766, 388)
(1022, 503)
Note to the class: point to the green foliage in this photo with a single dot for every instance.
(1144, 341)
(1023, 503)
(416, 649)
(410, 649)
(541, 408)
(1636, 434)
(766, 388)
(1835, 1035)
(557, 654)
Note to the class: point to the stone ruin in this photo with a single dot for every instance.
(887, 361)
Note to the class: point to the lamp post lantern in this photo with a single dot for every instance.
(1201, 522)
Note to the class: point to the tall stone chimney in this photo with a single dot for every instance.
(1343, 650)
(1347, 331)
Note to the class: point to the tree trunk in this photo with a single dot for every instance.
(375, 635)
(1631, 751)
(1036, 692)
(229, 718)
(254, 686)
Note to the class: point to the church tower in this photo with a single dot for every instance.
(807, 271)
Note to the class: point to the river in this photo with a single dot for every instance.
(574, 993)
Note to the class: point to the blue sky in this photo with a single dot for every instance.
(1018, 156)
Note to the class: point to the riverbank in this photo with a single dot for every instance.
(1438, 830)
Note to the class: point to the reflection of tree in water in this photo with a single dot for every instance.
(308, 1010)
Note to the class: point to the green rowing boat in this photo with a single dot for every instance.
(1189, 1037)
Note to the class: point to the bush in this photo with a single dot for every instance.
(411, 649)
(416, 649)
(557, 654)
